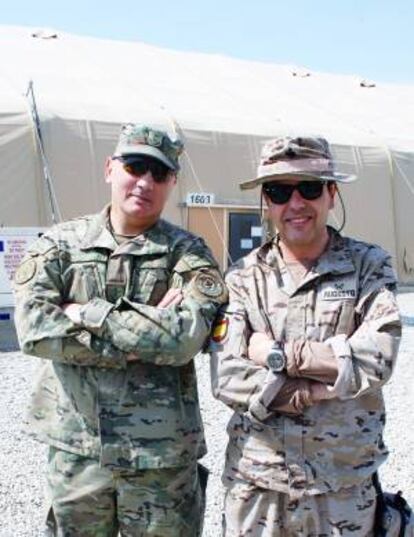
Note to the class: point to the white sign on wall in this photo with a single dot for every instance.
(256, 231)
(200, 198)
(246, 244)
(13, 245)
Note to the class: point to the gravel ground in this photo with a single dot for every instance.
(22, 460)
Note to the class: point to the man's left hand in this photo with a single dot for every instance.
(72, 310)
(259, 347)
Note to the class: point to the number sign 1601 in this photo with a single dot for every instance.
(200, 198)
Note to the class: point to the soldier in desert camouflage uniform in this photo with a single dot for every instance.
(117, 304)
(301, 352)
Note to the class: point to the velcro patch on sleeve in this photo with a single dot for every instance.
(207, 284)
(25, 272)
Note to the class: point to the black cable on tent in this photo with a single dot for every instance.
(56, 216)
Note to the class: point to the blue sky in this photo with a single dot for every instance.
(370, 38)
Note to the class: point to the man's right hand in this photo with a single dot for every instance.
(320, 392)
(172, 297)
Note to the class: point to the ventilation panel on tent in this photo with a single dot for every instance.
(367, 84)
(45, 33)
(301, 72)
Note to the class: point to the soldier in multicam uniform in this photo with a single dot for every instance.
(117, 304)
(301, 352)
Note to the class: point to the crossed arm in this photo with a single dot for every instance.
(173, 297)
(310, 369)
(111, 335)
(344, 366)
(241, 379)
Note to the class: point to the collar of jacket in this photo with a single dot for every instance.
(336, 259)
(98, 235)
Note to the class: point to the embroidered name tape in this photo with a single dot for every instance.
(339, 291)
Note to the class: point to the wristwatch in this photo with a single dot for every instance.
(276, 359)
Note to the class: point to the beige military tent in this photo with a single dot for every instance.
(54, 139)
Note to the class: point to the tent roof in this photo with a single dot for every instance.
(113, 81)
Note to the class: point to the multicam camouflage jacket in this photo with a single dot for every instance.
(348, 299)
(89, 398)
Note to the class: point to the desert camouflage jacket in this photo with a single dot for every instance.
(88, 399)
(348, 299)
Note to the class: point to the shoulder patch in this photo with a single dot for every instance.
(25, 272)
(207, 284)
(210, 284)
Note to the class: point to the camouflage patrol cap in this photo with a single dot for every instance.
(137, 139)
(287, 157)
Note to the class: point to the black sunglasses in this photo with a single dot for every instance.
(138, 166)
(281, 193)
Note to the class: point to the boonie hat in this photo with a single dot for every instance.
(288, 157)
(137, 139)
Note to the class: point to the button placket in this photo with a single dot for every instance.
(116, 278)
(294, 428)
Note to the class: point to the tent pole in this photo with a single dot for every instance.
(54, 208)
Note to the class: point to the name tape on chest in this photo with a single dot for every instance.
(344, 290)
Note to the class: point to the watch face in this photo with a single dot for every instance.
(276, 360)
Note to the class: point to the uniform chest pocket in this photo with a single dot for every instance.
(335, 317)
(83, 282)
(149, 285)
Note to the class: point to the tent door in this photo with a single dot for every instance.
(227, 230)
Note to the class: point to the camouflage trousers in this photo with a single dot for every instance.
(90, 501)
(254, 512)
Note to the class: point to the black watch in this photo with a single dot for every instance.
(276, 359)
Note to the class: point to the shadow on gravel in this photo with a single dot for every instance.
(408, 320)
(8, 336)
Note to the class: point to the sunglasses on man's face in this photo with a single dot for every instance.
(138, 166)
(280, 193)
